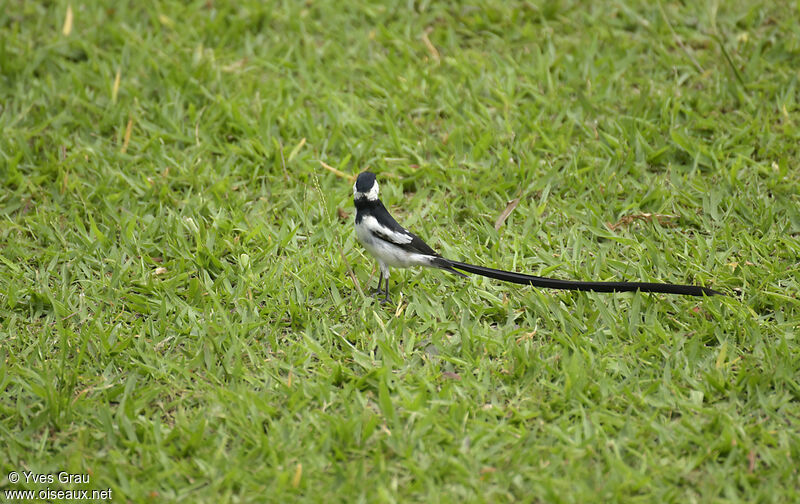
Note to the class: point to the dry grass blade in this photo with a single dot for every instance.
(663, 219)
(751, 462)
(336, 172)
(350, 271)
(298, 474)
(505, 213)
(297, 148)
(126, 140)
(429, 45)
(115, 88)
(67, 29)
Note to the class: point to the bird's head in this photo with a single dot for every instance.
(366, 187)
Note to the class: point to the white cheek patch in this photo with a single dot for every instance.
(372, 195)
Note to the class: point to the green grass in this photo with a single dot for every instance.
(182, 307)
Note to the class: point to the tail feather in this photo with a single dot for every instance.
(551, 283)
(446, 264)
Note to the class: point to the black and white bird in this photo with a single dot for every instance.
(395, 246)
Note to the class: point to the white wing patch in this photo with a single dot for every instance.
(371, 224)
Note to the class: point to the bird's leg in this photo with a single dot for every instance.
(378, 291)
(385, 278)
(386, 290)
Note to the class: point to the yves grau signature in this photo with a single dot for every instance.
(29, 478)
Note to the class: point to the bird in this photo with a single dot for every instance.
(392, 245)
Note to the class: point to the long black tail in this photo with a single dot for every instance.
(551, 283)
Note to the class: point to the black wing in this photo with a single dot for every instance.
(409, 242)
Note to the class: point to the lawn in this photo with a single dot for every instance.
(185, 314)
